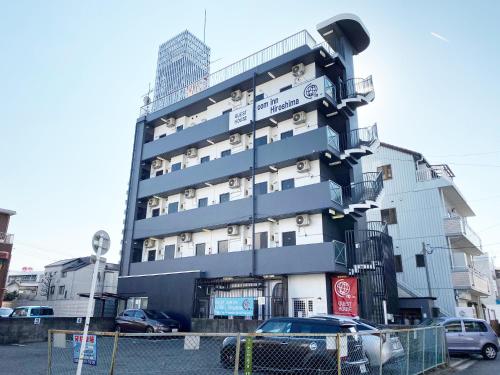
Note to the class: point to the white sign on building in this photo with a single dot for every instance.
(278, 103)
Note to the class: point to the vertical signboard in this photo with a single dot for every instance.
(90, 354)
(345, 296)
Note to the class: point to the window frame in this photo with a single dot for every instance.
(173, 204)
(389, 213)
(289, 243)
(177, 166)
(419, 260)
(288, 134)
(386, 170)
(200, 245)
(288, 180)
(398, 263)
(205, 200)
(258, 187)
(226, 242)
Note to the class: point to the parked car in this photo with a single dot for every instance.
(149, 321)
(5, 312)
(468, 336)
(392, 349)
(32, 312)
(302, 354)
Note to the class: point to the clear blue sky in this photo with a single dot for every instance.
(72, 74)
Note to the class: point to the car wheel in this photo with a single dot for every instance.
(228, 357)
(489, 352)
(150, 330)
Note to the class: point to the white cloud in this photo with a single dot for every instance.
(440, 37)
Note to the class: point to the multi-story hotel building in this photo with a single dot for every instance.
(253, 187)
(5, 248)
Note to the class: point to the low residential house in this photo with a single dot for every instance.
(66, 285)
(24, 282)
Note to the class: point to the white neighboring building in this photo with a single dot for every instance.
(486, 265)
(422, 204)
(65, 281)
(24, 282)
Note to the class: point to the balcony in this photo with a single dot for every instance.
(6, 238)
(289, 44)
(462, 236)
(362, 196)
(359, 142)
(435, 172)
(279, 154)
(471, 280)
(299, 259)
(313, 198)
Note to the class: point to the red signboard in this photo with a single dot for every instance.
(345, 296)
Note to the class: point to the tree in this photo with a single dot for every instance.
(45, 285)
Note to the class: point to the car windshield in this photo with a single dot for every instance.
(432, 322)
(153, 314)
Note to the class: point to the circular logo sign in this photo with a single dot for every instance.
(246, 304)
(96, 241)
(342, 288)
(313, 346)
(310, 91)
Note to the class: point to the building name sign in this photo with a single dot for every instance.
(233, 306)
(278, 103)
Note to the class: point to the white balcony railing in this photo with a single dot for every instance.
(435, 172)
(470, 279)
(458, 227)
(6, 237)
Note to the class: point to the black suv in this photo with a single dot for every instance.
(302, 354)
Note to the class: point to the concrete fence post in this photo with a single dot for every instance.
(339, 365)
(49, 353)
(436, 345)
(408, 352)
(237, 354)
(113, 355)
(380, 351)
(423, 350)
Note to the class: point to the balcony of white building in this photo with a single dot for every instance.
(461, 236)
(470, 280)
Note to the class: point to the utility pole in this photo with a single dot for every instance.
(424, 252)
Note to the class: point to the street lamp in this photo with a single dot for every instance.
(100, 244)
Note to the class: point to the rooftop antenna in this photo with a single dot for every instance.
(204, 25)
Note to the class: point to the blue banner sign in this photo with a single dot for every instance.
(233, 306)
(90, 354)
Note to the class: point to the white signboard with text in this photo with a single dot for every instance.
(278, 103)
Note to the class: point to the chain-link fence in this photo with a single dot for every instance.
(408, 351)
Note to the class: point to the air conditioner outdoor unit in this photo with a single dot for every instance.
(170, 122)
(157, 163)
(303, 166)
(299, 117)
(153, 202)
(189, 193)
(185, 237)
(298, 70)
(234, 139)
(236, 95)
(149, 242)
(302, 220)
(234, 182)
(233, 230)
(192, 152)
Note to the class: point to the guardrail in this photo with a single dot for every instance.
(434, 172)
(367, 190)
(458, 226)
(354, 87)
(470, 278)
(359, 137)
(340, 352)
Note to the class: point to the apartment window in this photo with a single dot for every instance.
(286, 134)
(205, 159)
(203, 202)
(226, 111)
(162, 135)
(389, 216)
(285, 88)
(386, 171)
(261, 141)
(261, 240)
(224, 198)
(158, 173)
(288, 239)
(259, 97)
(173, 207)
(222, 246)
(52, 289)
(200, 249)
(169, 252)
(61, 289)
(64, 274)
(261, 188)
(176, 167)
(287, 184)
(420, 260)
(225, 153)
(151, 255)
(398, 263)
(155, 212)
(179, 128)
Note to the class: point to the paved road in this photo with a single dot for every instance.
(475, 365)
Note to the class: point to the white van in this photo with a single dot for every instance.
(32, 312)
